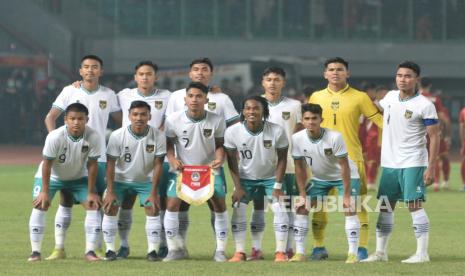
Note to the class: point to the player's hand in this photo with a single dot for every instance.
(108, 201)
(215, 89)
(77, 84)
(300, 203)
(41, 202)
(428, 176)
(154, 200)
(277, 193)
(215, 164)
(347, 204)
(176, 164)
(238, 194)
(94, 201)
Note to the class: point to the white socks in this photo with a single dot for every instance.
(421, 229)
(281, 226)
(93, 227)
(183, 226)
(171, 230)
(36, 228)
(352, 227)
(109, 229)
(62, 222)
(257, 228)
(124, 225)
(221, 230)
(300, 232)
(383, 231)
(153, 231)
(239, 226)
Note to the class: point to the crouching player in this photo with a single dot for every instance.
(133, 153)
(325, 152)
(66, 152)
(262, 150)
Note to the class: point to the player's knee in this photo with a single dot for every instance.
(183, 207)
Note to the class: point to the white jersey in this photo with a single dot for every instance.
(69, 154)
(287, 113)
(195, 139)
(158, 102)
(100, 104)
(322, 154)
(135, 154)
(218, 103)
(258, 155)
(404, 130)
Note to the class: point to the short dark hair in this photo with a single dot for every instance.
(262, 101)
(410, 65)
(425, 82)
(365, 86)
(337, 60)
(146, 63)
(313, 108)
(94, 57)
(138, 104)
(205, 60)
(77, 107)
(381, 87)
(276, 70)
(202, 87)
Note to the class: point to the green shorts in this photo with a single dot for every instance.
(124, 190)
(101, 183)
(402, 184)
(289, 188)
(257, 189)
(220, 185)
(77, 188)
(320, 188)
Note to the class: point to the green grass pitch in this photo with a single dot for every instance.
(447, 240)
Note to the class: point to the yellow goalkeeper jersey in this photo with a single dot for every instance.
(342, 111)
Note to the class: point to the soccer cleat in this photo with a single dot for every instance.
(110, 256)
(100, 253)
(57, 254)
(436, 187)
(415, 259)
(123, 253)
(351, 259)
(290, 253)
(280, 257)
(238, 257)
(319, 253)
(256, 255)
(91, 256)
(362, 253)
(175, 255)
(34, 257)
(298, 257)
(462, 189)
(445, 186)
(371, 187)
(162, 252)
(376, 257)
(220, 257)
(153, 256)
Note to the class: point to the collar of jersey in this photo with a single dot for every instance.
(72, 138)
(251, 132)
(409, 98)
(155, 91)
(196, 120)
(314, 141)
(345, 89)
(90, 92)
(138, 136)
(276, 103)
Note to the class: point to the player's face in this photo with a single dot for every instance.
(90, 70)
(76, 122)
(406, 79)
(311, 121)
(195, 99)
(253, 111)
(336, 74)
(145, 77)
(273, 83)
(139, 117)
(201, 72)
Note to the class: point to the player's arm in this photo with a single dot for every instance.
(433, 133)
(233, 165)
(219, 153)
(170, 154)
(280, 171)
(301, 179)
(93, 200)
(154, 199)
(110, 196)
(52, 116)
(462, 133)
(444, 119)
(42, 201)
(370, 111)
(117, 117)
(345, 175)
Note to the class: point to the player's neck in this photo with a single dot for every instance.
(146, 91)
(254, 126)
(196, 115)
(336, 87)
(314, 134)
(90, 85)
(273, 98)
(407, 94)
(139, 131)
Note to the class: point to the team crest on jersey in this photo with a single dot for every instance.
(211, 106)
(286, 115)
(335, 105)
(267, 144)
(207, 132)
(328, 152)
(158, 104)
(149, 148)
(102, 104)
(85, 149)
(408, 114)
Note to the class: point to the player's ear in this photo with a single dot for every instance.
(206, 100)
(87, 119)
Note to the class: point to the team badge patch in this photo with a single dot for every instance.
(328, 151)
(207, 132)
(102, 104)
(286, 115)
(408, 114)
(195, 185)
(335, 105)
(158, 104)
(149, 148)
(267, 144)
(85, 148)
(211, 106)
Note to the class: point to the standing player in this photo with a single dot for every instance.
(406, 169)
(197, 135)
(262, 150)
(325, 152)
(134, 152)
(101, 102)
(285, 112)
(201, 70)
(342, 107)
(67, 152)
(462, 140)
(145, 77)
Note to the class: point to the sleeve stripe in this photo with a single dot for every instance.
(286, 147)
(57, 107)
(372, 115)
(342, 155)
(297, 157)
(232, 119)
(230, 149)
(112, 156)
(160, 155)
(94, 157)
(48, 157)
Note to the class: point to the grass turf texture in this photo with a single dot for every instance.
(445, 209)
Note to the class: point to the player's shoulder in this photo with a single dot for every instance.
(331, 134)
(126, 92)
(273, 127)
(178, 93)
(163, 92)
(118, 132)
(299, 134)
(173, 117)
(105, 89)
(57, 134)
(92, 133)
(213, 116)
(291, 101)
(235, 129)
